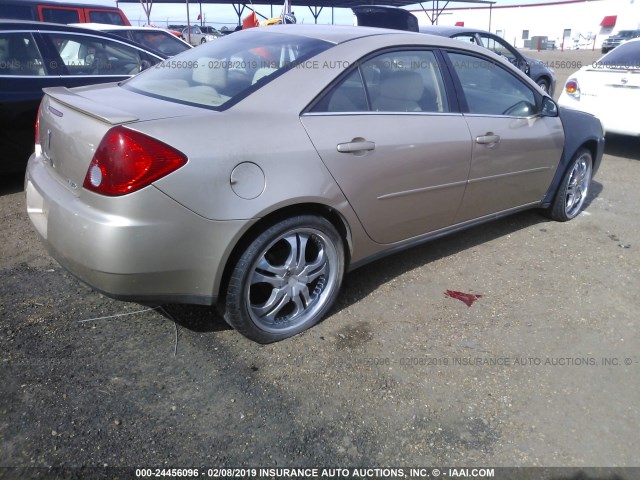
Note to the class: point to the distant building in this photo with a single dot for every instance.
(569, 23)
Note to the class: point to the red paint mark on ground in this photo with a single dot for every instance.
(467, 298)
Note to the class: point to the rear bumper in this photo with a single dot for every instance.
(142, 247)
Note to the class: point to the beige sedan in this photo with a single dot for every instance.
(255, 171)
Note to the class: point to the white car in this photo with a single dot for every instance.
(152, 38)
(198, 35)
(609, 89)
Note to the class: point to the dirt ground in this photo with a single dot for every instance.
(543, 370)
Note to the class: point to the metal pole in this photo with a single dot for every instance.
(188, 24)
(490, 10)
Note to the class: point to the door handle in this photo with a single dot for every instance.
(488, 139)
(356, 146)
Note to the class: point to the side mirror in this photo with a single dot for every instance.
(549, 108)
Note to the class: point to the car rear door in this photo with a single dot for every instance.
(398, 149)
(516, 150)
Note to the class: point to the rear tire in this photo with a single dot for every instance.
(286, 280)
(573, 189)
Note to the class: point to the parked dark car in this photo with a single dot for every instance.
(614, 40)
(58, 12)
(36, 55)
(400, 19)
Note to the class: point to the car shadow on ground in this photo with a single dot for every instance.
(197, 318)
(594, 192)
(622, 146)
(361, 282)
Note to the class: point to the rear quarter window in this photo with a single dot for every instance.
(105, 16)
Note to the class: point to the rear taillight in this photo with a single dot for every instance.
(572, 88)
(126, 161)
(37, 132)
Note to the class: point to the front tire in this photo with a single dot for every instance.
(543, 84)
(573, 189)
(286, 280)
(204, 40)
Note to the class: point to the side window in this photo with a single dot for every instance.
(60, 15)
(348, 96)
(467, 38)
(105, 16)
(89, 55)
(491, 90)
(405, 81)
(19, 55)
(402, 81)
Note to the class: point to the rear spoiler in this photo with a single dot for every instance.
(89, 107)
(385, 17)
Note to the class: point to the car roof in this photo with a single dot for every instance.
(447, 31)
(34, 25)
(108, 26)
(335, 33)
(57, 3)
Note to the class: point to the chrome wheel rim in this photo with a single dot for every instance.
(292, 280)
(543, 87)
(578, 185)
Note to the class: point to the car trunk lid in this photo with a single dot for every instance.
(73, 122)
(602, 85)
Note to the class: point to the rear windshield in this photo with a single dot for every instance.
(624, 57)
(628, 33)
(220, 73)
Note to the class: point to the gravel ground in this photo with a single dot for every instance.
(543, 370)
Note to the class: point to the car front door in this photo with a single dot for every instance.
(516, 149)
(397, 148)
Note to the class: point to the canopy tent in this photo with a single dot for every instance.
(316, 6)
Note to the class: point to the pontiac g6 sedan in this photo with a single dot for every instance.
(254, 171)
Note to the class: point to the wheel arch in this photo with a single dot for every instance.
(582, 130)
(546, 79)
(330, 214)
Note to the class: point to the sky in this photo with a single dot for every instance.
(217, 15)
